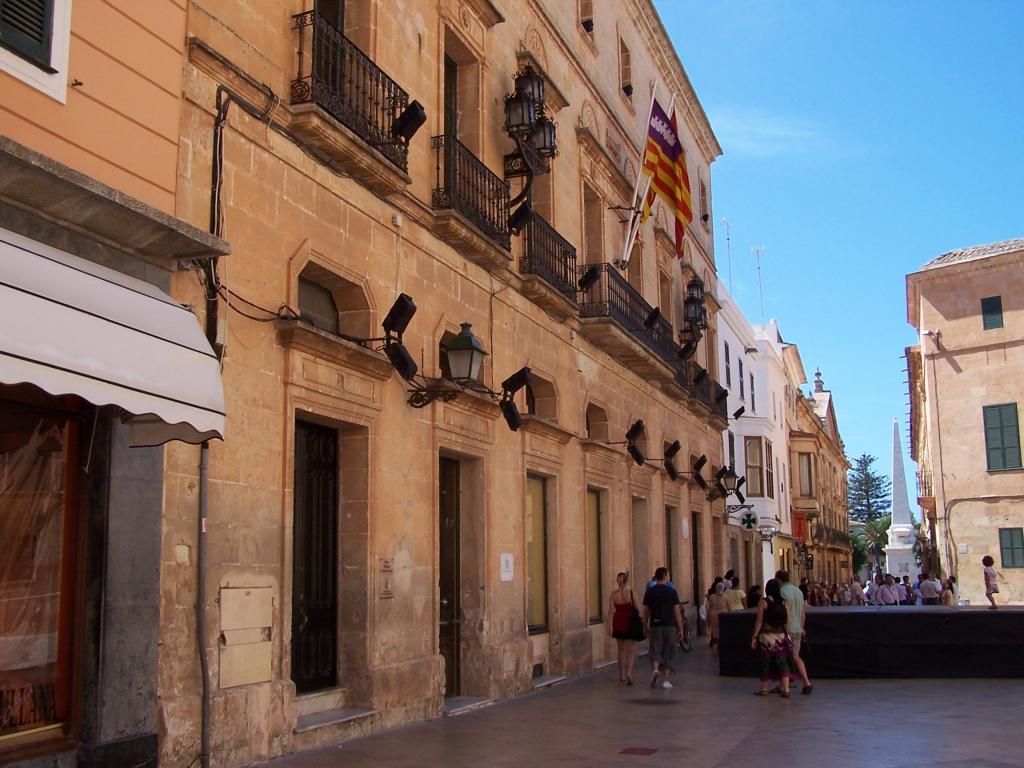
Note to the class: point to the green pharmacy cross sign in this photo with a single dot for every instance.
(749, 521)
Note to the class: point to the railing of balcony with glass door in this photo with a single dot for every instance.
(465, 184)
(549, 256)
(339, 78)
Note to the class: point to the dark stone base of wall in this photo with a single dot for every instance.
(136, 752)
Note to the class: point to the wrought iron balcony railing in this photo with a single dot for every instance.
(466, 185)
(343, 81)
(925, 489)
(550, 256)
(612, 296)
(823, 535)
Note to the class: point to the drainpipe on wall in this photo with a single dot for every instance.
(204, 666)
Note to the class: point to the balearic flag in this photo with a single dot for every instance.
(665, 163)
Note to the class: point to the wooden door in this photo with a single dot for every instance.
(448, 572)
(315, 559)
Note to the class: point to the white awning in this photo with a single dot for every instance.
(72, 327)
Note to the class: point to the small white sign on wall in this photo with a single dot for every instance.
(506, 566)
(684, 528)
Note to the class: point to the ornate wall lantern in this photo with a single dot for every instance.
(533, 132)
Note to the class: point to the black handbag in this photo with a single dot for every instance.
(636, 625)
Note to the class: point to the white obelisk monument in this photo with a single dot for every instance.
(899, 554)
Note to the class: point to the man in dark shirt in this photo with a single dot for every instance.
(664, 627)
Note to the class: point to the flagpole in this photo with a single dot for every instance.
(633, 215)
(637, 217)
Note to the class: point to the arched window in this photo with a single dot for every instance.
(541, 400)
(332, 303)
(597, 422)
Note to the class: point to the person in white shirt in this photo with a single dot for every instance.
(901, 594)
(886, 594)
(931, 588)
(991, 579)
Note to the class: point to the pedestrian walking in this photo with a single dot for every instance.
(772, 642)
(735, 598)
(664, 622)
(716, 604)
(621, 606)
(991, 579)
(796, 612)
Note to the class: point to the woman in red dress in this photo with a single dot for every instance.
(621, 604)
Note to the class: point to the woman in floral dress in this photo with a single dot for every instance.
(773, 644)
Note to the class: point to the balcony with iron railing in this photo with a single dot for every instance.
(824, 535)
(925, 488)
(548, 267)
(471, 204)
(706, 391)
(344, 103)
(616, 318)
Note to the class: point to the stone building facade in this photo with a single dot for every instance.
(818, 479)
(370, 561)
(965, 392)
(99, 368)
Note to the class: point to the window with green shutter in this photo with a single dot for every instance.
(26, 28)
(1002, 438)
(992, 312)
(1011, 547)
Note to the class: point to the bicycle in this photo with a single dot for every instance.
(686, 644)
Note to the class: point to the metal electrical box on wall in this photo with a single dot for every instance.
(246, 624)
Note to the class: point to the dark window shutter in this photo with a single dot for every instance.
(992, 312)
(1011, 546)
(26, 28)
(1002, 437)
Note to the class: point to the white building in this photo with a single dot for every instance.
(756, 445)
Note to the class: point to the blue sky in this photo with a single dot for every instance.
(860, 139)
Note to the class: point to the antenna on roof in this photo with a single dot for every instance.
(757, 252)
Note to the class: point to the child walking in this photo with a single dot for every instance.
(991, 577)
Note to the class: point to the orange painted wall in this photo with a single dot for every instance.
(121, 125)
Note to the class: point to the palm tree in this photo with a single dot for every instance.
(877, 538)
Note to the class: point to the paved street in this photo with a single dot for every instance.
(710, 722)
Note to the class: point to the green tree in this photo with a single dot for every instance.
(869, 492)
(860, 551)
(877, 539)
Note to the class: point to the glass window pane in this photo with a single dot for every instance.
(536, 554)
(33, 503)
(316, 304)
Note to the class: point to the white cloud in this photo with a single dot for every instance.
(756, 133)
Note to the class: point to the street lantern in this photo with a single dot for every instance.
(530, 83)
(693, 307)
(520, 114)
(465, 355)
(544, 137)
(730, 480)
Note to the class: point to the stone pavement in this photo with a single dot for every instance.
(710, 722)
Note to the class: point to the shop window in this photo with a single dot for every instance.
(38, 502)
(597, 423)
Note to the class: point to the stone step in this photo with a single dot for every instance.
(547, 681)
(460, 705)
(315, 720)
